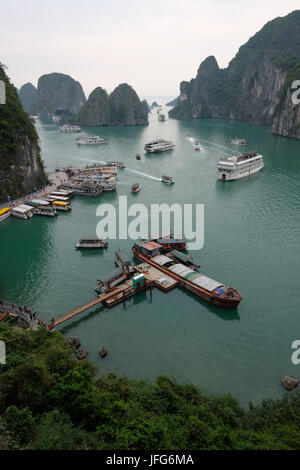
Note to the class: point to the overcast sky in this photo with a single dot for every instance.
(150, 44)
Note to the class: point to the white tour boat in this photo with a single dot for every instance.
(22, 212)
(69, 128)
(159, 145)
(234, 168)
(89, 140)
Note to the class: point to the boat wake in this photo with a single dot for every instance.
(143, 174)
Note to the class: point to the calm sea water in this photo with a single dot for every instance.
(251, 242)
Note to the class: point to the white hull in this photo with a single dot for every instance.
(21, 216)
(239, 174)
(3, 217)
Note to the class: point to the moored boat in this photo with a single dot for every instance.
(238, 141)
(61, 206)
(89, 140)
(4, 213)
(117, 164)
(22, 212)
(91, 243)
(191, 279)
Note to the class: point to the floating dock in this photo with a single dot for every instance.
(159, 279)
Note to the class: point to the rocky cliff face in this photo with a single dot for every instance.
(21, 167)
(125, 107)
(96, 111)
(57, 91)
(121, 108)
(28, 97)
(255, 87)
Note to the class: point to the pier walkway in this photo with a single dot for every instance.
(109, 299)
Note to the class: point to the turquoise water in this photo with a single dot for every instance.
(251, 242)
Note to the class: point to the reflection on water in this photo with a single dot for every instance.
(251, 243)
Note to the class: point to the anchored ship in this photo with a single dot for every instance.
(116, 164)
(214, 292)
(234, 168)
(69, 128)
(89, 140)
(238, 141)
(159, 145)
(89, 243)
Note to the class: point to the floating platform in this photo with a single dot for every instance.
(159, 279)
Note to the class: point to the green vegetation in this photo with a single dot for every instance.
(18, 146)
(50, 400)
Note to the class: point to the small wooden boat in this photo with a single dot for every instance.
(90, 243)
(138, 157)
(135, 188)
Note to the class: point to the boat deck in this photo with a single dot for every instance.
(159, 279)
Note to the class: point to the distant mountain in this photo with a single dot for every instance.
(122, 108)
(173, 102)
(57, 91)
(28, 97)
(96, 110)
(256, 86)
(21, 167)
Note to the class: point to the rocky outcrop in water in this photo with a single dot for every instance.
(256, 86)
(28, 97)
(121, 108)
(21, 167)
(126, 108)
(96, 110)
(57, 91)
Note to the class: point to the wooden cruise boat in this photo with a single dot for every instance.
(91, 243)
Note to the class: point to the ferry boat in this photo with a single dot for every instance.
(89, 140)
(116, 164)
(84, 188)
(234, 168)
(22, 212)
(91, 243)
(238, 141)
(69, 128)
(159, 145)
(135, 188)
(61, 206)
(61, 193)
(52, 198)
(167, 179)
(41, 207)
(4, 213)
(214, 292)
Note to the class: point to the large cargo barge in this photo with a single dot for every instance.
(208, 289)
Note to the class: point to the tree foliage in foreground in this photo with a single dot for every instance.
(50, 400)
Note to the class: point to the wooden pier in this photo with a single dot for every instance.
(109, 299)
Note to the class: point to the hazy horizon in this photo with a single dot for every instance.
(152, 46)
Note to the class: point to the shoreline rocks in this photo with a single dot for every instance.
(289, 382)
